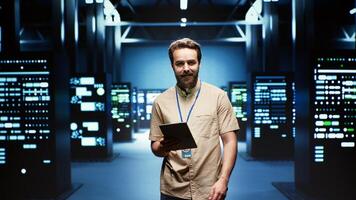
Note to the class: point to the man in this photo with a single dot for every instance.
(199, 173)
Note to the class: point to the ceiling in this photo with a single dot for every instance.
(36, 18)
(198, 12)
(169, 10)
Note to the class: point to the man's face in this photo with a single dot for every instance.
(186, 67)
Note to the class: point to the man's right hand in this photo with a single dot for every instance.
(163, 146)
(168, 143)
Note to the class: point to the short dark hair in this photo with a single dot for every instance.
(184, 43)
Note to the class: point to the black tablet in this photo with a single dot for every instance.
(180, 132)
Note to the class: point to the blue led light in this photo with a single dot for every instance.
(88, 141)
(91, 126)
(46, 161)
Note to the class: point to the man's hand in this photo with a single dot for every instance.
(168, 143)
(219, 189)
(163, 146)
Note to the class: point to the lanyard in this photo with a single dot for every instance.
(191, 108)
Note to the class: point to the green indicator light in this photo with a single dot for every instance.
(350, 130)
(327, 123)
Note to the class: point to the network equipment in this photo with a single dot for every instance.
(91, 135)
(145, 99)
(238, 98)
(135, 120)
(333, 138)
(121, 111)
(29, 165)
(151, 95)
(141, 108)
(272, 116)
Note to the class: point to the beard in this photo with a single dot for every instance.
(187, 81)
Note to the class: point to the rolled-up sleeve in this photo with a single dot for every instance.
(156, 120)
(226, 116)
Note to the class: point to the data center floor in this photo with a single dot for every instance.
(134, 175)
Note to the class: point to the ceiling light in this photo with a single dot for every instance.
(183, 24)
(183, 19)
(352, 11)
(183, 4)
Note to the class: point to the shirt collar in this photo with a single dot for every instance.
(189, 92)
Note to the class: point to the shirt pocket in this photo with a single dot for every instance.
(206, 125)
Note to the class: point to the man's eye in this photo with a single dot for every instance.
(191, 62)
(179, 63)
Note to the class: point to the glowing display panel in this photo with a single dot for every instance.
(334, 110)
(121, 111)
(27, 139)
(272, 115)
(25, 101)
(145, 99)
(89, 134)
(331, 140)
(150, 97)
(238, 98)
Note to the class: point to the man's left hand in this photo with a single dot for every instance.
(219, 189)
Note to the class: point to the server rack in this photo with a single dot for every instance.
(135, 119)
(146, 98)
(141, 109)
(34, 142)
(272, 115)
(238, 98)
(121, 111)
(91, 124)
(326, 151)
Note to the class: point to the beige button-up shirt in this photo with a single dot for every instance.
(212, 116)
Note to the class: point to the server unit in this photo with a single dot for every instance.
(134, 113)
(238, 98)
(145, 101)
(91, 123)
(121, 111)
(141, 109)
(151, 95)
(272, 116)
(34, 142)
(326, 153)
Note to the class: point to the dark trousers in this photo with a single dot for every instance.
(167, 197)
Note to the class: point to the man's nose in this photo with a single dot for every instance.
(186, 67)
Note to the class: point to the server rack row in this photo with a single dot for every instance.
(28, 109)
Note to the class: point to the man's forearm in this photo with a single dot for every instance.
(218, 190)
(229, 154)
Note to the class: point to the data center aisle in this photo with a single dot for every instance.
(134, 175)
